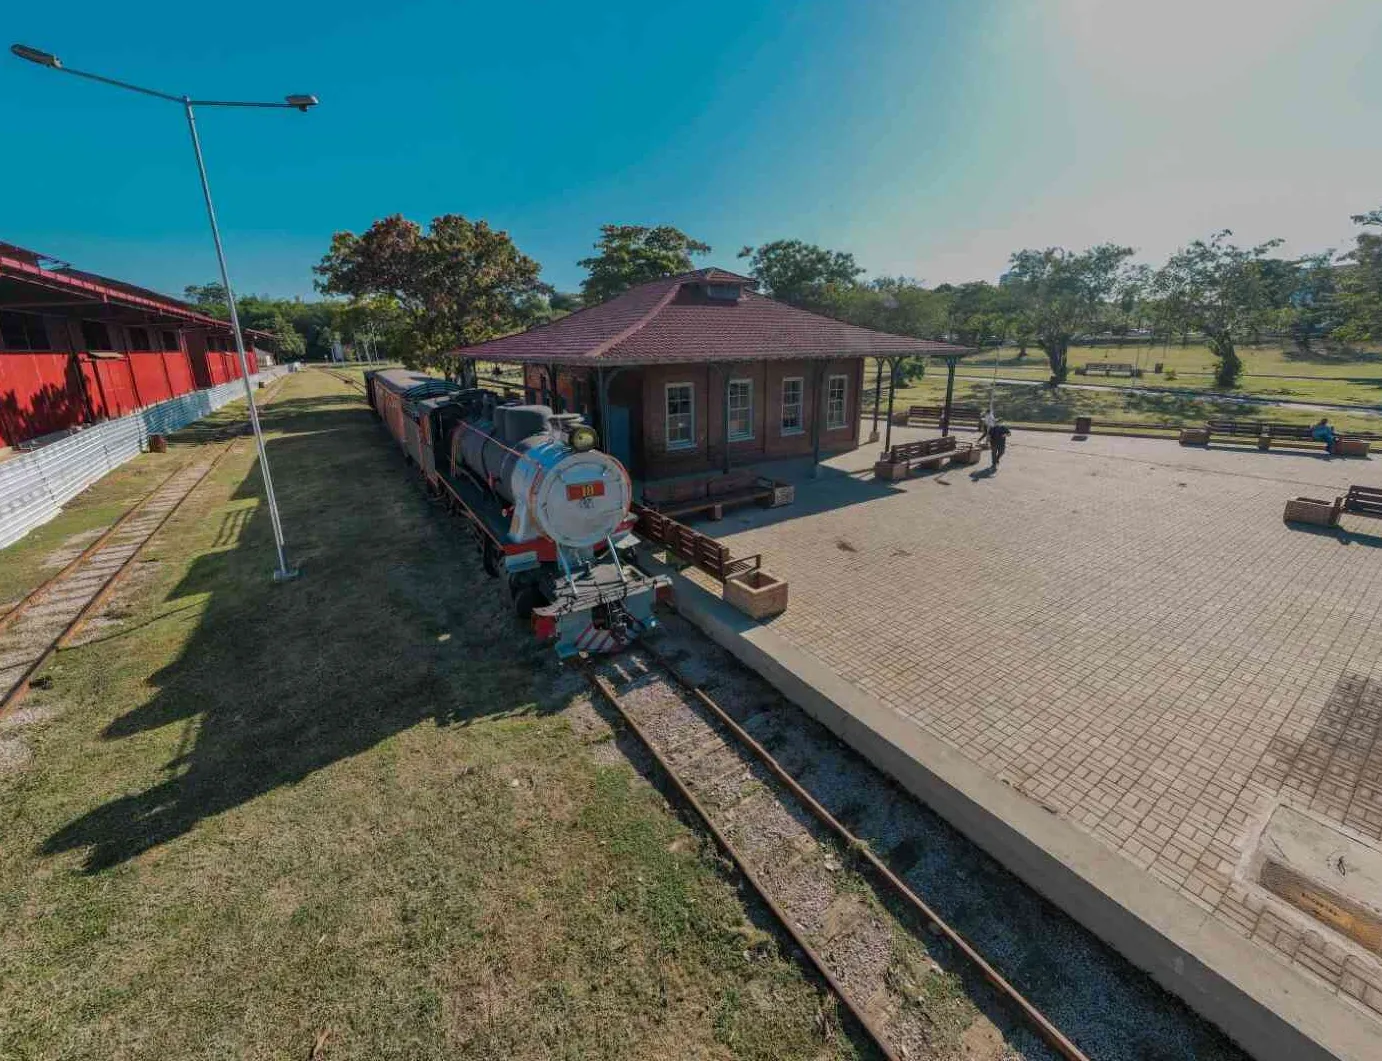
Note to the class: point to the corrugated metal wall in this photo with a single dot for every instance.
(34, 486)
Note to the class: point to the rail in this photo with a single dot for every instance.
(1048, 1031)
(34, 485)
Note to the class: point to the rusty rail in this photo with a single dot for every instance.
(17, 692)
(741, 863)
(1048, 1031)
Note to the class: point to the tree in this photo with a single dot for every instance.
(257, 313)
(564, 302)
(1359, 299)
(800, 273)
(205, 296)
(1220, 290)
(635, 254)
(1311, 309)
(459, 283)
(375, 319)
(974, 313)
(1058, 294)
(889, 304)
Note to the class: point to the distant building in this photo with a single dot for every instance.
(700, 371)
(76, 348)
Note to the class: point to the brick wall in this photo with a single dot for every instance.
(768, 441)
(643, 392)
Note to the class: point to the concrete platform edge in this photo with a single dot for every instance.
(1267, 1007)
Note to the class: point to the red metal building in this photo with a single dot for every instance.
(76, 348)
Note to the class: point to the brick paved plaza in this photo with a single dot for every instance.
(1125, 631)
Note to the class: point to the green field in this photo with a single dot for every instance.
(1187, 399)
(1352, 378)
(351, 816)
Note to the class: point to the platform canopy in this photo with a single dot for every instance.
(36, 283)
(702, 316)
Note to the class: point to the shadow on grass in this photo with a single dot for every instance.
(1322, 354)
(392, 624)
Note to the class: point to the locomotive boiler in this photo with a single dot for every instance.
(549, 510)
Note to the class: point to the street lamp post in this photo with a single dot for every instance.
(298, 102)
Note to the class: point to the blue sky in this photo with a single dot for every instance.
(930, 139)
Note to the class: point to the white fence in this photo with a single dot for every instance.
(34, 486)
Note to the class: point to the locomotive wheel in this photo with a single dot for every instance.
(491, 560)
(525, 599)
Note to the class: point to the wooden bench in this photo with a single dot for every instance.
(927, 453)
(1360, 501)
(699, 550)
(970, 416)
(1267, 432)
(685, 497)
(1363, 501)
(1108, 368)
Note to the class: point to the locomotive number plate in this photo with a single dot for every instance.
(581, 491)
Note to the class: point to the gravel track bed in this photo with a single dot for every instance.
(914, 985)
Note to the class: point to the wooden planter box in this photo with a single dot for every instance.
(783, 494)
(900, 418)
(1311, 510)
(889, 470)
(757, 594)
(967, 455)
(1352, 447)
(1194, 436)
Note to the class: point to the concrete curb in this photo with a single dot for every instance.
(1272, 1010)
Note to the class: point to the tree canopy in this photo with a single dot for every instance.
(800, 273)
(1220, 290)
(257, 312)
(1360, 283)
(456, 284)
(1059, 294)
(630, 255)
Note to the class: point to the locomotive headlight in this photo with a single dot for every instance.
(582, 438)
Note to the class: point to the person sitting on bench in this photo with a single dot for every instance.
(1322, 432)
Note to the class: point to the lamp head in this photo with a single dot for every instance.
(23, 51)
(301, 102)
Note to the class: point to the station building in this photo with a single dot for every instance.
(699, 372)
(77, 348)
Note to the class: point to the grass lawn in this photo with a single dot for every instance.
(351, 812)
(1040, 405)
(1269, 371)
(44, 550)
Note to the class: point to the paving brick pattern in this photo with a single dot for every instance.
(1125, 631)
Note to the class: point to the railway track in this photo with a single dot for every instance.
(52, 615)
(806, 866)
(349, 380)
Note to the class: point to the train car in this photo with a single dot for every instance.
(398, 397)
(550, 512)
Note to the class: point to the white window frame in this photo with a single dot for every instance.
(690, 441)
(800, 428)
(729, 407)
(830, 423)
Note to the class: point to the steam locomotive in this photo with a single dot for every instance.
(550, 511)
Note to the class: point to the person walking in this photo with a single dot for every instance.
(997, 433)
